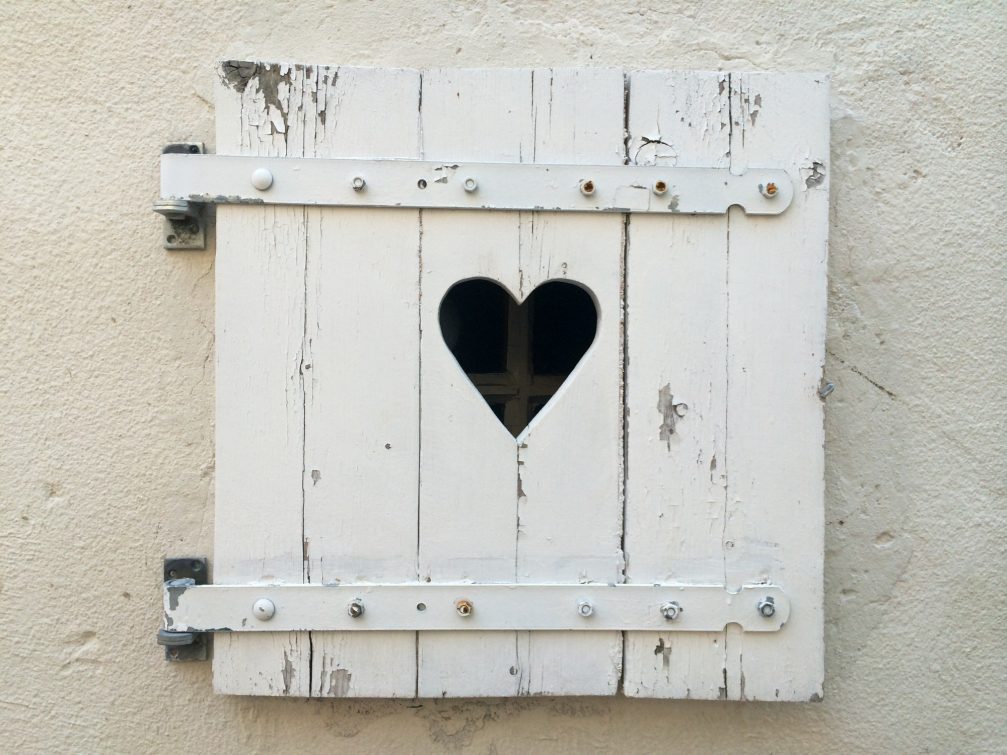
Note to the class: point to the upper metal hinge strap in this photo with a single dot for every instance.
(225, 179)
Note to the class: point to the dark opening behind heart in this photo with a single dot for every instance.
(518, 356)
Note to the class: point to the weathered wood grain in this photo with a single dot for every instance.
(774, 527)
(362, 381)
(260, 270)
(570, 457)
(676, 376)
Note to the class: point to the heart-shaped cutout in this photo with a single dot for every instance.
(518, 355)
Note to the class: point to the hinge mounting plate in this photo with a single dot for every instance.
(184, 221)
(185, 645)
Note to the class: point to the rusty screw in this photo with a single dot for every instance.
(587, 187)
(767, 607)
(769, 189)
(463, 607)
(355, 608)
(660, 187)
(671, 610)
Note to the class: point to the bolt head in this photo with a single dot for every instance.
(263, 609)
(585, 608)
(358, 183)
(262, 179)
(587, 187)
(767, 607)
(470, 185)
(660, 187)
(355, 609)
(769, 189)
(464, 607)
(671, 610)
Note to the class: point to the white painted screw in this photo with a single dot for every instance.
(355, 608)
(358, 183)
(470, 185)
(262, 179)
(263, 609)
(587, 187)
(671, 610)
(767, 607)
(769, 189)
(584, 608)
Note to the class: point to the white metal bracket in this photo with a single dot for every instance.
(224, 179)
(184, 221)
(485, 607)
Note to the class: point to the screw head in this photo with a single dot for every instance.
(769, 189)
(587, 187)
(671, 610)
(585, 608)
(263, 609)
(470, 185)
(660, 187)
(358, 183)
(355, 608)
(262, 179)
(464, 607)
(767, 607)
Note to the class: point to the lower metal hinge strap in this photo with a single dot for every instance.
(484, 607)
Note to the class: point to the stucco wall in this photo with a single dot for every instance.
(106, 376)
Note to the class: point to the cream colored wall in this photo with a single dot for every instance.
(106, 377)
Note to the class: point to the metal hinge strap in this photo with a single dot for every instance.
(226, 179)
(483, 607)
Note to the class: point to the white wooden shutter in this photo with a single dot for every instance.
(686, 446)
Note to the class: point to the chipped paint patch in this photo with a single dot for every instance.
(670, 413)
(287, 672)
(175, 589)
(813, 174)
(339, 682)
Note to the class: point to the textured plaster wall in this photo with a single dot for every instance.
(106, 375)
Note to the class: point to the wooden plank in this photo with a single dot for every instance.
(676, 399)
(776, 319)
(362, 380)
(260, 259)
(570, 457)
(468, 475)
(544, 507)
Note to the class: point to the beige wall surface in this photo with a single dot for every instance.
(106, 376)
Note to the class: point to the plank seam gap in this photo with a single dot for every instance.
(419, 376)
(623, 383)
